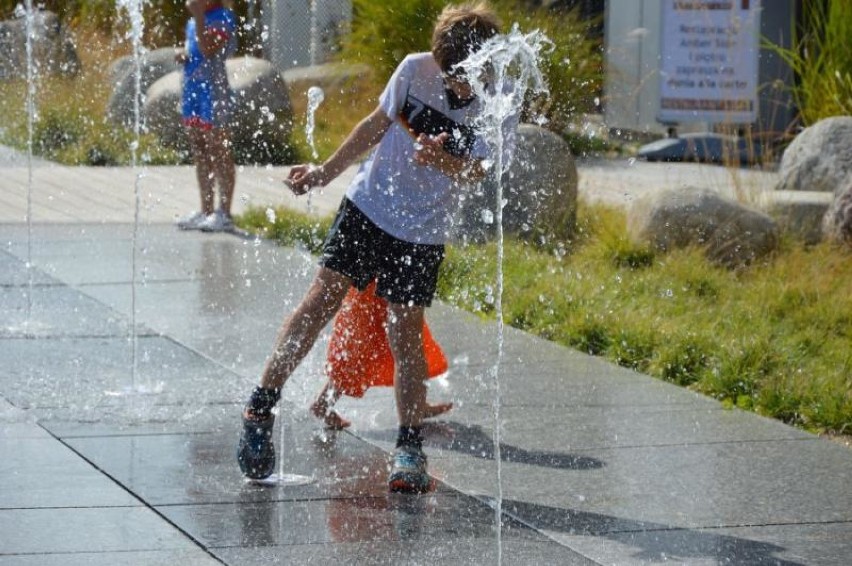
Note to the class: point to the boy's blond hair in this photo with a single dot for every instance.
(460, 30)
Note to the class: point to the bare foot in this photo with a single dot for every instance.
(334, 421)
(330, 417)
(432, 411)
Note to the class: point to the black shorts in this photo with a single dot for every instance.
(405, 273)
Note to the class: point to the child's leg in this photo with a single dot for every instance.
(405, 335)
(322, 408)
(201, 155)
(224, 168)
(299, 332)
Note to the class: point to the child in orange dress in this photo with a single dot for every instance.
(359, 356)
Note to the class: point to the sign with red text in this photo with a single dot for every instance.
(708, 61)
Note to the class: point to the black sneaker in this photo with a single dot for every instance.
(255, 452)
(408, 473)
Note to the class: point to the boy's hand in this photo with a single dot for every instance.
(430, 149)
(303, 178)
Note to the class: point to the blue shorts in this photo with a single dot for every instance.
(200, 109)
(405, 273)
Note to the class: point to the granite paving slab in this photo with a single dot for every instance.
(81, 529)
(195, 557)
(90, 373)
(822, 544)
(42, 473)
(415, 553)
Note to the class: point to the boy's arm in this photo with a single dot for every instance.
(209, 41)
(431, 152)
(362, 138)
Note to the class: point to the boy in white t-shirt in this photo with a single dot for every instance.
(391, 227)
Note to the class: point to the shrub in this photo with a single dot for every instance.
(54, 131)
(375, 38)
(573, 68)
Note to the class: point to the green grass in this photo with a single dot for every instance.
(773, 338)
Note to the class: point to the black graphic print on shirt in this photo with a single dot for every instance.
(420, 118)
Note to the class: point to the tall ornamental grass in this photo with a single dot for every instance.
(821, 58)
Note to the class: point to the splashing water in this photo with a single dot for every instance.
(315, 98)
(30, 123)
(133, 8)
(501, 73)
(282, 478)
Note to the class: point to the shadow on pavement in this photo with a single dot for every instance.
(656, 542)
(471, 440)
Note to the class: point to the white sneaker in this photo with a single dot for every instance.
(217, 222)
(192, 221)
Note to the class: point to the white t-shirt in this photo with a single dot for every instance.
(413, 202)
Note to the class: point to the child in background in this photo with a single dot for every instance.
(206, 110)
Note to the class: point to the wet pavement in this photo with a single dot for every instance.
(121, 388)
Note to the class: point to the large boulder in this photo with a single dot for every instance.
(153, 66)
(53, 51)
(837, 222)
(819, 158)
(539, 191)
(798, 213)
(262, 115)
(730, 233)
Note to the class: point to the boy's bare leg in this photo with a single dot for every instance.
(322, 408)
(201, 155)
(299, 332)
(405, 334)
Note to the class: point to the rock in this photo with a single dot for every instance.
(540, 190)
(837, 222)
(798, 213)
(819, 158)
(730, 233)
(329, 75)
(53, 51)
(262, 116)
(162, 110)
(153, 65)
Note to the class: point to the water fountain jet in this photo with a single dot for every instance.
(501, 73)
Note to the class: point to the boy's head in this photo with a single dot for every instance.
(460, 30)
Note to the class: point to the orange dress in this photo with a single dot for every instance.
(359, 356)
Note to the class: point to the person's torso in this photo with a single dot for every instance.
(210, 71)
(409, 201)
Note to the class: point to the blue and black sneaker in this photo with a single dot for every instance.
(255, 452)
(408, 472)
